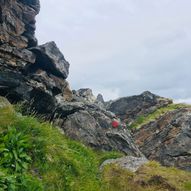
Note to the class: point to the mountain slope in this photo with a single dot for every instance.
(56, 163)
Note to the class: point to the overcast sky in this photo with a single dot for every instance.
(122, 47)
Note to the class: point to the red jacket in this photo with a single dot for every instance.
(115, 124)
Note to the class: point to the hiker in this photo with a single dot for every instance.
(115, 123)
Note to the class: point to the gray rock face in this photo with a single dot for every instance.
(168, 139)
(92, 125)
(100, 98)
(129, 162)
(84, 95)
(129, 108)
(50, 59)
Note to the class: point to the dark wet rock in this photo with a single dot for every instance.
(129, 108)
(38, 89)
(168, 139)
(129, 162)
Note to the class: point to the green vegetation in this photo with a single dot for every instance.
(150, 177)
(142, 120)
(29, 148)
(35, 156)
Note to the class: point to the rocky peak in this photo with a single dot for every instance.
(100, 98)
(129, 108)
(85, 94)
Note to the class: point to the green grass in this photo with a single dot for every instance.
(150, 177)
(57, 163)
(142, 120)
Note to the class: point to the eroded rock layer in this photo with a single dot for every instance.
(168, 139)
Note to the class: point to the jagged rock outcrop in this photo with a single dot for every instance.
(50, 59)
(100, 98)
(168, 139)
(30, 73)
(84, 95)
(22, 78)
(129, 108)
(36, 75)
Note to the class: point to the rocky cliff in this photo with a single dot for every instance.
(36, 75)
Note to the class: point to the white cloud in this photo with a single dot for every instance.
(126, 45)
(187, 101)
(108, 94)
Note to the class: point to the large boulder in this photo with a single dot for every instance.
(129, 108)
(168, 139)
(50, 59)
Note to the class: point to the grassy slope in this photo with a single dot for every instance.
(150, 177)
(142, 120)
(60, 164)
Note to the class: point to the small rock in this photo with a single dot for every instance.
(129, 162)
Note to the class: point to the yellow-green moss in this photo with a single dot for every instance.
(142, 120)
